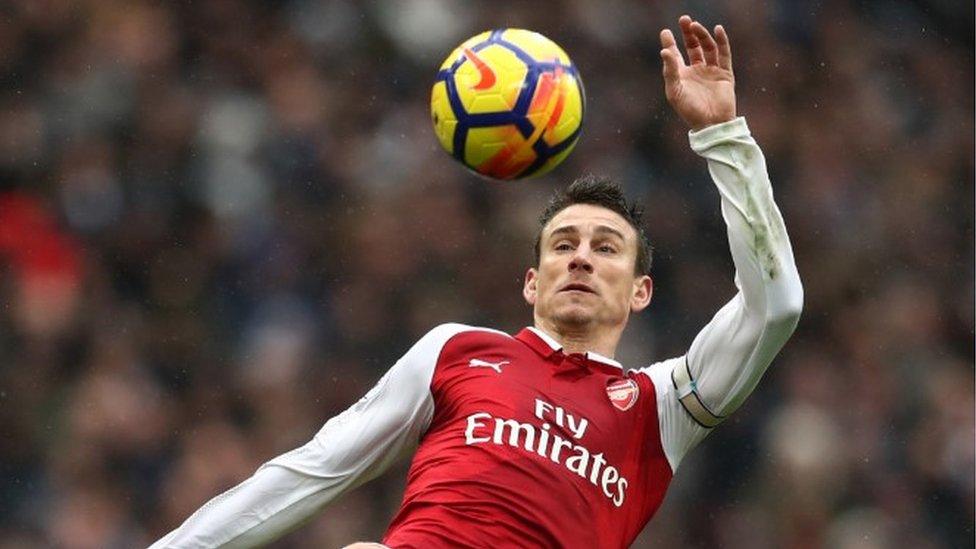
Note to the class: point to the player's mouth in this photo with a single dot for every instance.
(577, 287)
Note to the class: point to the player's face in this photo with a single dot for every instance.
(585, 276)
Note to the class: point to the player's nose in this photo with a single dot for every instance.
(580, 261)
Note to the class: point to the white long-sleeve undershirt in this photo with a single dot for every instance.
(730, 354)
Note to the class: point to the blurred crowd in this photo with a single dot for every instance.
(221, 221)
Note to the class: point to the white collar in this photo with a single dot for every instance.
(556, 346)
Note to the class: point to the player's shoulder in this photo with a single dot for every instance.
(450, 344)
(457, 327)
(442, 343)
(442, 334)
(450, 329)
(660, 374)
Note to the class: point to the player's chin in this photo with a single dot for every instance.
(574, 314)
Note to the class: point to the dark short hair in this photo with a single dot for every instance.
(599, 191)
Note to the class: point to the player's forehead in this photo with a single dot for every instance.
(589, 219)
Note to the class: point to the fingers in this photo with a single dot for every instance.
(667, 39)
(701, 46)
(724, 48)
(692, 45)
(708, 45)
(671, 57)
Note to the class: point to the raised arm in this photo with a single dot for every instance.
(351, 449)
(728, 357)
(731, 353)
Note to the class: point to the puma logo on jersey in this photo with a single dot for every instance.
(478, 363)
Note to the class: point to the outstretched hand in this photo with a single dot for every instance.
(701, 91)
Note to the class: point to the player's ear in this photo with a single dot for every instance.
(643, 289)
(530, 289)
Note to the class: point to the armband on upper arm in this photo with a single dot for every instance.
(687, 392)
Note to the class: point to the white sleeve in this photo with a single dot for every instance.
(731, 353)
(350, 449)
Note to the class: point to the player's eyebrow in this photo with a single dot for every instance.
(573, 229)
(611, 230)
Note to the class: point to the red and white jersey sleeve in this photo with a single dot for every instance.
(731, 353)
(350, 449)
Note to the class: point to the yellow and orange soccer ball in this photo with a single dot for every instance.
(508, 104)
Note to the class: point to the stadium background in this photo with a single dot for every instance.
(221, 221)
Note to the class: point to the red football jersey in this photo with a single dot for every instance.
(531, 447)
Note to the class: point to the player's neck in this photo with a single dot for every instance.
(581, 339)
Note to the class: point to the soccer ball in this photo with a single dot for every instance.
(508, 103)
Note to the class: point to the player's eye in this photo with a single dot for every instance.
(607, 248)
(563, 246)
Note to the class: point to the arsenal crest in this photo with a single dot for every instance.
(623, 394)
